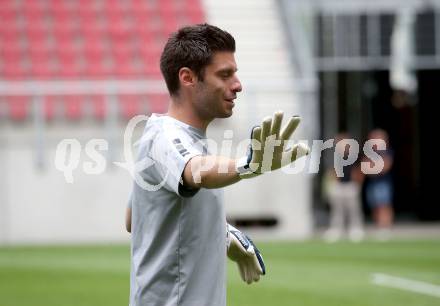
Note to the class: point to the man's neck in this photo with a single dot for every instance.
(181, 111)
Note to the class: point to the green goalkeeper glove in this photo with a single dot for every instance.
(243, 251)
(267, 150)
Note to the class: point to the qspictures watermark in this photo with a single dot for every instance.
(346, 153)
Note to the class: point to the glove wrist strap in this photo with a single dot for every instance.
(242, 166)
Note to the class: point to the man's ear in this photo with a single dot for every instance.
(187, 77)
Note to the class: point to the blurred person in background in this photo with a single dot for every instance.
(379, 187)
(344, 194)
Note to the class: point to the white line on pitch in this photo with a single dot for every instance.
(405, 284)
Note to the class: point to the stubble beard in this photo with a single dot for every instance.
(210, 106)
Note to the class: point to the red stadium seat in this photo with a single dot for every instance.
(32, 5)
(167, 5)
(122, 48)
(93, 22)
(14, 70)
(196, 16)
(50, 106)
(100, 67)
(43, 64)
(117, 6)
(33, 16)
(87, 5)
(70, 65)
(193, 5)
(152, 67)
(60, 7)
(36, 31)
(19, 107)
(66, 29)
(128, 63)
(66, 47)
(131, 105)
(94, 47)
(158, 103)
(10, 40)
(88, 39)
(38, 41)
(73, 106)
(43, 70)
(142, 5)
(170, 23)
(99, 106)
(9, 6)
(8, 19)
(11, 53)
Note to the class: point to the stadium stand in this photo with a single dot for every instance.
(87, 40)
(96, 65)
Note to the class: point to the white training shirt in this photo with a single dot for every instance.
(178, 248)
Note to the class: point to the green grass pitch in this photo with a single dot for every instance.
(303, 273)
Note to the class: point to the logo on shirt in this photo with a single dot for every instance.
(178, 144)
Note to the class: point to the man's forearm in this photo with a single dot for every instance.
(128, 219)
(266, 153)
(210, 172)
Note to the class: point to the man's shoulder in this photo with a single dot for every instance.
(162, 132)
(173, 131)
(163, 124)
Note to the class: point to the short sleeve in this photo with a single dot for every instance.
(171, 151)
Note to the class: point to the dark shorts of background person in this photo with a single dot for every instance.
(379, 191)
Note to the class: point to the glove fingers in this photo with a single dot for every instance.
(244, 252)
(292, 154)
(242, 272)
(246, 272)
(255, 136)
(256, 148)
(265, 131)
(249, 276)
(290, 127)
(253, 272)
(254, 275)
(276, 123)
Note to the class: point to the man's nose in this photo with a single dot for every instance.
(236, 86)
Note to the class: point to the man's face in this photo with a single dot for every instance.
(215, 95)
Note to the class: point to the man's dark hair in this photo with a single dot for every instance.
(192, 47)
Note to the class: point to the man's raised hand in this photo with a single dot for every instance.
(267, 151)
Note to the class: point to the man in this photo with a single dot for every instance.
(379, 186)
(179, 230)
(344, 194)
